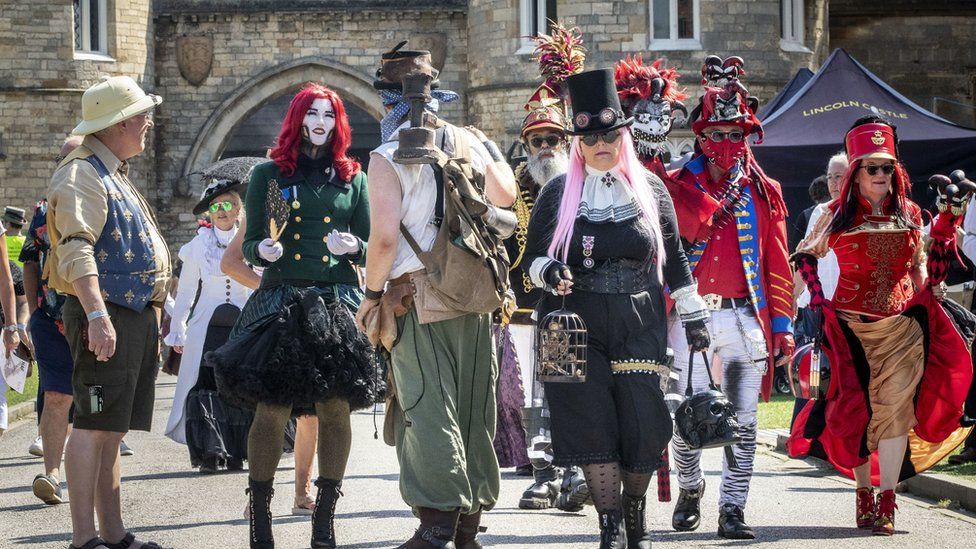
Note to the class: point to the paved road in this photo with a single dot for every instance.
(792, 505)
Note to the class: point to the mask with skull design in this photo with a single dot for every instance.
(650, 94)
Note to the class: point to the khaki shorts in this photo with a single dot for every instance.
(117, 395)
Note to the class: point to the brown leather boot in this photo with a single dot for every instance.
(865, 510)
(884, 524)
(436, 530)
(468, 528)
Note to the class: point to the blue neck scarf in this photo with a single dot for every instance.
(391, 121)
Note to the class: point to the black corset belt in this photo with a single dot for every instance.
(613, 276)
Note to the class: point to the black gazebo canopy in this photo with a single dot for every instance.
(809, 127)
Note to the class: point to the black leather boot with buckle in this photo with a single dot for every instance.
(259, 496)
(732, 523)
(436, 530)
(323, 518)
(468, 528)
(612, 535)
(687, 512)
(637, 536)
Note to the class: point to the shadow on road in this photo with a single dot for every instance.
(773, 533)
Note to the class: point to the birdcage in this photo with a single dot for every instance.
(561, 348)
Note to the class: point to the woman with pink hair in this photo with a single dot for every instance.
(604, 239)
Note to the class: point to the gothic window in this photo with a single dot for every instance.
(675, 24)
(534, 19)
(791, 23)
(90, 26)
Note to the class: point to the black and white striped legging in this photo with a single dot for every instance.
(741, 382)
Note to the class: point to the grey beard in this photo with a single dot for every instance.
(543, 170)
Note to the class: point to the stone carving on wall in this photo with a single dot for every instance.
(194, 57)
(435, 42)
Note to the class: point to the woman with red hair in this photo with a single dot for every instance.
(900, 370)
(295, 347)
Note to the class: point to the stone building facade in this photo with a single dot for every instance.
(226, 68)
(42, 77)
(923, 49)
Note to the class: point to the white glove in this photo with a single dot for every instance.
(343, 243)
(269, 250)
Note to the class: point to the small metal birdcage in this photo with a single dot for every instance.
(561, 348)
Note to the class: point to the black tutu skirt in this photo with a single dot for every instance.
(296, 346)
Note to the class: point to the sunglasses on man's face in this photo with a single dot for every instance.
(551, 140)
(886, 169)
(226, 205)
(607, 137)
(733, 136)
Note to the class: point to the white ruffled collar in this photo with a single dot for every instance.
(607, 198)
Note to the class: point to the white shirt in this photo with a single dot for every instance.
(969, 226)
(418, 198)
(827, 267)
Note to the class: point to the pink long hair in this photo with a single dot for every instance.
(636, 176)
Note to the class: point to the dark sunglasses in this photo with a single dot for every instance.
(608, 137)
(551, 140)
(227, 206)
(733, 136)
(886, 169)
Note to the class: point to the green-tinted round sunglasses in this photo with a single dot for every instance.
(227, 206)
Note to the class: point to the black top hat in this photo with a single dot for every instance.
(596, 105)
(14, 215)
(398, 62)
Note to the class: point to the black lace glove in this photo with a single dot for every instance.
(697, 335)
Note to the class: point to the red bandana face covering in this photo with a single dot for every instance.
(723, 154)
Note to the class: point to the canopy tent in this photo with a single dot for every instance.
(803, 133)
(795, 84)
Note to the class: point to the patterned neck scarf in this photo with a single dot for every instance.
(391, 121)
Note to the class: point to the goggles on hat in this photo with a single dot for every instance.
(607, 137)
(225, 205)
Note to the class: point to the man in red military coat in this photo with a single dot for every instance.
(732, 221)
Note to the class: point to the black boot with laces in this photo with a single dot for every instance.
(612, 535)
(637, 536)
(323, 518)
(259, 496)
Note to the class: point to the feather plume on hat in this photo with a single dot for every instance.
(560, 54)
(634, 81)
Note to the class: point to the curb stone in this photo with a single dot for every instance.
(936, 486)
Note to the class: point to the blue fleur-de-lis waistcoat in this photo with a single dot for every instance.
(124, 251)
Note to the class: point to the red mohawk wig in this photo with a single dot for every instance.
(634, 81)
(285, 152)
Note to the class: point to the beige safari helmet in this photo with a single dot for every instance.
(111, 101)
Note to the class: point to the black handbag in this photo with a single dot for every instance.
(707, 419)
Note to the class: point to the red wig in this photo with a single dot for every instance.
(285, 152)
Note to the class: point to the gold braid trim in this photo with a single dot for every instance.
(523, 211)
(639, 366)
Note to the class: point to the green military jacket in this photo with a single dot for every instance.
(315, 211)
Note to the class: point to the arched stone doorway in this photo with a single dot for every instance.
(264, 89)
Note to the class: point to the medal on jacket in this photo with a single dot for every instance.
(588, 251)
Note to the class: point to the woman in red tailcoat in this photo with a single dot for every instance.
(900, 366)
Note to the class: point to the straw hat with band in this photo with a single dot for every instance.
(111, 101)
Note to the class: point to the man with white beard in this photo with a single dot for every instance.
(544, 139)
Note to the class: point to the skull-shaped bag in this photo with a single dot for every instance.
(706, 419)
